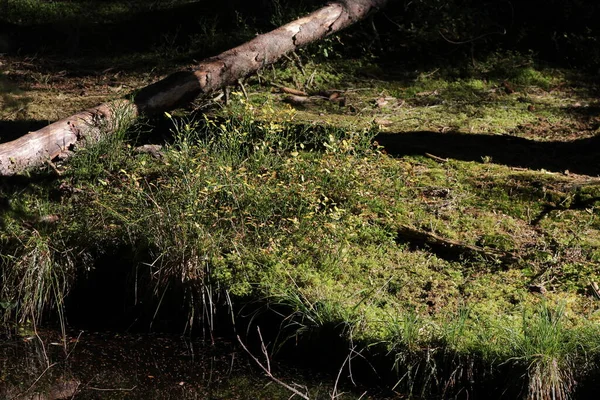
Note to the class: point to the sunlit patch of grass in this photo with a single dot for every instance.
(507, 93)
(532, 77)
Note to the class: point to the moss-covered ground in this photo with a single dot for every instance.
(446, 217)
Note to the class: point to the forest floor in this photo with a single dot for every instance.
(445, 219)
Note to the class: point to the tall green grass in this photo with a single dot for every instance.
(549, 350)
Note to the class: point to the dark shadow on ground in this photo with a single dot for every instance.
(577, 156)
(11, 130)
(585, 113)
(200, 29)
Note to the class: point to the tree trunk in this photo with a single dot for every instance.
(61, 137)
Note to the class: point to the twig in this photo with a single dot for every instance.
(595, 289)
(158, 306)
(334, 393)
(53, 166)
(243, 87)
(429, 74)
(289, 90)
(77, 390)
(267, 368)
(473, 39)
(299, 61)
(75, 345)
(20, 395)
(111, 390)
(436, 158)
(41, 342)
(263, 348)
(356, 89)
(310, 79)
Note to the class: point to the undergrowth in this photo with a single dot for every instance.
(316, 221)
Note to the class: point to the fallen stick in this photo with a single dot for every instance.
(453, 248)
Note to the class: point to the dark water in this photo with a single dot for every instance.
(115, 366)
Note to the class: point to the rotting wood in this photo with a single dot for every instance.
(60, 138)
(289, 90)
(452, 248)
(296, 100)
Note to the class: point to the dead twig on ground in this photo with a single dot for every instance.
(267, 368)
(20, 395)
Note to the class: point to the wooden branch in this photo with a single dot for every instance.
(59, 138)
(453, 248)
(267, 369)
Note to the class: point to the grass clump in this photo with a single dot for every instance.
(35, 279)
(549, 350)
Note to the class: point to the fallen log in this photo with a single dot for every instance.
(452, 249)
(60, 138)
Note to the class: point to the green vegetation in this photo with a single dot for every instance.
(446, 217)
(319, 222)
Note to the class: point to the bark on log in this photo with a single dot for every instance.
(59, 138)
